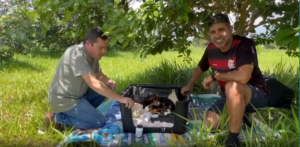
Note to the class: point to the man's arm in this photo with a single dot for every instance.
(246, 56)
(80, 67)
(202, 66)
(102, 77)
(100, 87)
(241, 75)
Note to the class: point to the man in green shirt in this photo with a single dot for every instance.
(79, 86)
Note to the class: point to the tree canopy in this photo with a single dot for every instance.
(162, 25)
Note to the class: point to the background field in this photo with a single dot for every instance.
(24, 82)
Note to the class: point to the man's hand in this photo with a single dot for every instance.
(206, 81)
(112, 84)
(128, 102)
(185, 89)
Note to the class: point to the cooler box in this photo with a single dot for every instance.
(138, 92)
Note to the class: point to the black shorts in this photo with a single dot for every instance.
(258, 100)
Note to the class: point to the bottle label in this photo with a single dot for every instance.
(138, 133)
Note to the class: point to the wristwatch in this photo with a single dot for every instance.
(213, 75)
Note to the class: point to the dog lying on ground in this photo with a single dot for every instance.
(158, 105)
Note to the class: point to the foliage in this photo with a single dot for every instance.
(158, 26)
(5, 53)
(21, 32)
(288, 38)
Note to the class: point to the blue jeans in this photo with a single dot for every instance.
(85, 114)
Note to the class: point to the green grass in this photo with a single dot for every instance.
(24, 82)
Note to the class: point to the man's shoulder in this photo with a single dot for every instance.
(210, 46)
(243, 40)
(76, 50)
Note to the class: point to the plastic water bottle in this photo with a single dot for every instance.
(139, 131)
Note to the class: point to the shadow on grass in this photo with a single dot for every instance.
(18, 64)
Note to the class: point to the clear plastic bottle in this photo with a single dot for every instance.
(139, 131)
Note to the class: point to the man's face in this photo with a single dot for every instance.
(220, 34)
(98, 49)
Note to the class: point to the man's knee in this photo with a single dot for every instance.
(212, 119)
(237, 93)
(233, 89)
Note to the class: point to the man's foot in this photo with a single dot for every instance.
(232, 140)
(49, 120)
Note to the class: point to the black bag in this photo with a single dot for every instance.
(280, 95)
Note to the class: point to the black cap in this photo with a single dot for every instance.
(219, 17)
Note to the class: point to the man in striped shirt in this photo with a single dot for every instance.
(234, 63)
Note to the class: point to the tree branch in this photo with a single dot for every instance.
(251, 27)
(243, 17)
(262, 23)
(201, 29)
(254, 16)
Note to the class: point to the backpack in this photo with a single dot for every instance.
(280, 95)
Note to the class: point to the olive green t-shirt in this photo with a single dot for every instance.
(67, 84)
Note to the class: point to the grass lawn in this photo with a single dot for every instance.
(24, 83)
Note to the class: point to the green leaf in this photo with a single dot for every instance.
(185, 17)
(262, 4)
(112, 27)
(285, 41)
(155, 13)
(68, 3)
(120, 38)
(132, 24)
(187, 8)
(143, 5)
(283, 33)
(122, 22)
(143, 54)
(42, 2)
(82, 2)
(126, 42)
(295, 43)
(44, 30)
(106, 33)
(113, 40)
(68, 14)
(145, 16)
(254, 4)
(296, 29)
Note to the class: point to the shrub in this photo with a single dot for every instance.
(5, 53)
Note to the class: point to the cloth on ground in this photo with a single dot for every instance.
(111, 110)
(154, 139)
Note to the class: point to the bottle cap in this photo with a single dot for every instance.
(139, 126)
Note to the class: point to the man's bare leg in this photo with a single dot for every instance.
(212, 120)
(237, 97)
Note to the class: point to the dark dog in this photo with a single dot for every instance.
(158, 104)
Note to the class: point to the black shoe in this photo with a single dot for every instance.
(232, 140)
